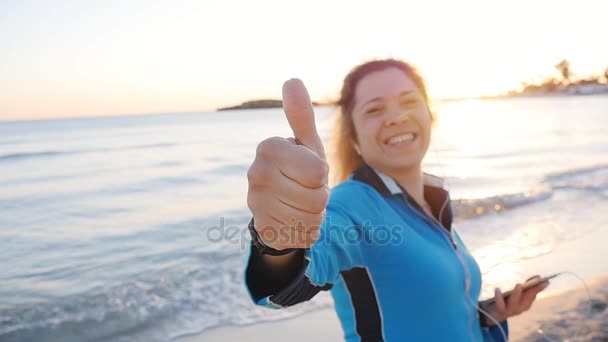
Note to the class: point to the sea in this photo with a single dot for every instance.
(133, 228)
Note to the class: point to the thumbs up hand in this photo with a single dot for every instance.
(288, 189)
(300, 115)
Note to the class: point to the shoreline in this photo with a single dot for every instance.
(559, 310)
(559, 314)
(308, 326)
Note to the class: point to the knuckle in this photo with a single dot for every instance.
(254, 174)
(325, 196)
(264, 149)
(267, 148)
(323, 167)
(319, 205)
(320, 172)
(252, 203)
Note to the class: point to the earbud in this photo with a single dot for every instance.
(356, 147)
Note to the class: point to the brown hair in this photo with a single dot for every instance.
(345, 158)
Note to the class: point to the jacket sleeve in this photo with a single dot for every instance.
(494, 334)
(273, 289)
(311, 271)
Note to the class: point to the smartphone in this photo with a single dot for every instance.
(526, 285)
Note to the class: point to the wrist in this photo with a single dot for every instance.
(262, 247)
(492, 321)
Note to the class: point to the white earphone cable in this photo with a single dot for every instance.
(540, 331)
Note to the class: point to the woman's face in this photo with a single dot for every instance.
(392, 121)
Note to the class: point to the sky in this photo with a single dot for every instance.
(92, 58)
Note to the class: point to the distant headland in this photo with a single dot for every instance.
(258, 104)
(564, 84)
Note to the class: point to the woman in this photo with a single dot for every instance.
(383, 243)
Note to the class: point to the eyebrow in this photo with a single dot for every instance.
(377, 98)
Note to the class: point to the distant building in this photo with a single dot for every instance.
(588, 88)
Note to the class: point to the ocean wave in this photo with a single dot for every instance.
(149, 185)
(516, 153)
(557, 176)
(147, 146)
(39, 154)
(232, 169)
(469, 208)
(158, 307)
(593, 179)
(10, 142)
(169, 163)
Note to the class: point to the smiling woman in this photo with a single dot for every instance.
(384, 242)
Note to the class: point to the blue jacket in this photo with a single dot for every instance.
(395, 273)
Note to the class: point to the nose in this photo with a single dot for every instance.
(396, 115)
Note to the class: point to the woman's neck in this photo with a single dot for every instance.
(411, 180)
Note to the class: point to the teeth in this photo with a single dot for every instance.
(401, 138)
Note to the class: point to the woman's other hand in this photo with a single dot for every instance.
(519, 301)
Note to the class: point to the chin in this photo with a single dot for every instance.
(404, 164)
(405, 160)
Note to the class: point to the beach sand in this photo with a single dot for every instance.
(572, 315)
(322, 325)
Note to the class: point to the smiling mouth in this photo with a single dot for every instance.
(401, 138)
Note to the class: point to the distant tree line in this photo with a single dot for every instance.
(567, 83)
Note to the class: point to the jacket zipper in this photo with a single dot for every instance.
(450, 239)
(434, 222)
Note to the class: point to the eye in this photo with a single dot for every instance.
(409, 103)
(374, 110)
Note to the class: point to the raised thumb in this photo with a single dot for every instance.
(301, 117)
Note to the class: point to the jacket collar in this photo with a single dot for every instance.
(434, 192)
